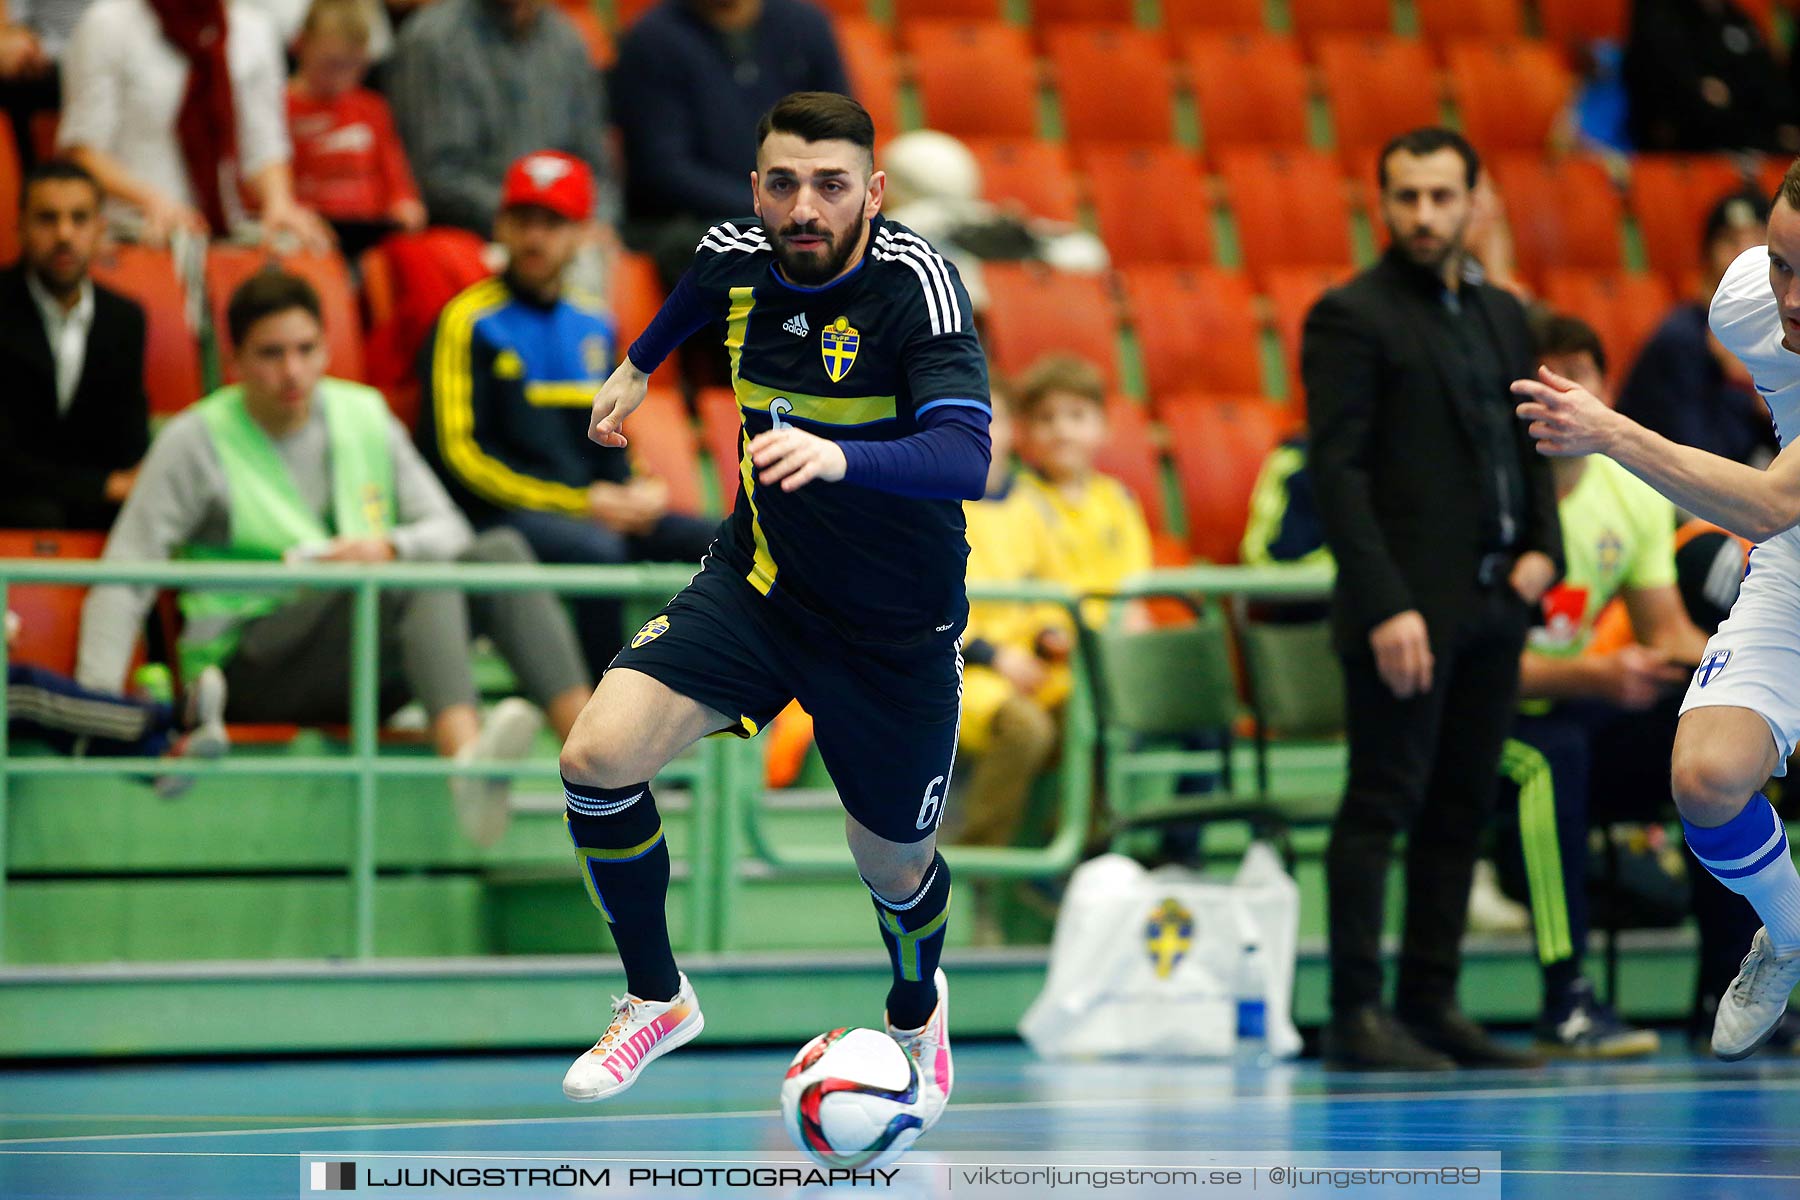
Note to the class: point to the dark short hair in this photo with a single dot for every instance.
(1058, 373)
(819, 117)
(57, 170)
(1560, 333)
(1429, 140)
(1790, 187)
(1740, 208)
(269, 291)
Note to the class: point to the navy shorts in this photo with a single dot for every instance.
(884, 719)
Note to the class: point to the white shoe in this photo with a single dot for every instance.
(930, 1049)
(481, 804)
(1492, 910)
(1753, 1005)
(641, 1032)
(206, 738)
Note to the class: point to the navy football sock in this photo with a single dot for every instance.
(913, 930)
(618, 835)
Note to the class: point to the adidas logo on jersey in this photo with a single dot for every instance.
(796, 325)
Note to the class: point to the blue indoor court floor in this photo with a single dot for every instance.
(1672, 1126)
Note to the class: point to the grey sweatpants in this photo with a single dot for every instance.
(293, 666)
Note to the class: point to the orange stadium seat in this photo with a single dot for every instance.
(720, 425)
(637, 293)
(1572, 22)
(1115, 12)
(1310, 18)
(1219, 443)
(1292, 292)
(1033, 311)
(874, 71)
(1671, 195)
(1367, 106)
(49, 614)
(1770, 174)
(1218, 16)
(1623, 309)
(1196, 328)
(1564, 213)
(663, 444)
(1035, 175)
(1290, 207)
(1440, 20)
(1114, 82)
(599, 43)
(1510, 92)
(1153, 203)
(974, 77)
(171, 351)
(1250, 88)
(227, 267)
(954, 10)
(9, 194)
(1130, 456)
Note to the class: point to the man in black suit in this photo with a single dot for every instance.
(1443, 524)
(73, 422)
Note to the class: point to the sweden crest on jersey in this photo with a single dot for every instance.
(838, 342)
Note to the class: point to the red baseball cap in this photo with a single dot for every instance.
(550, 179)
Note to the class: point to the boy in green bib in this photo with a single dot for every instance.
(289, 465)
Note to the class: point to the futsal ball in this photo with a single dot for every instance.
(851, 1099)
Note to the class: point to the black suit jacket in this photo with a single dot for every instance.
(1394, 457)
(53, 466)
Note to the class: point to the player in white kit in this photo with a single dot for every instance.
(1741, 718)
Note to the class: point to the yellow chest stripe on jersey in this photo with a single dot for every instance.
(563, 393)
(825, 410)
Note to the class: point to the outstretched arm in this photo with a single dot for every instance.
(1567, 419)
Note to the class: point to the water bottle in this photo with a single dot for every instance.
(1252, 1001)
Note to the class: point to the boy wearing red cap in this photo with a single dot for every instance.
(509, 375)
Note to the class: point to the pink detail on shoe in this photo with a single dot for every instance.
(943, 1068)
(621, 1061)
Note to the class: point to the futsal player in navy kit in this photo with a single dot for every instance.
(838, 579)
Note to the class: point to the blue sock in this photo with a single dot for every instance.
(1749, 855)
(618, 835)
(912, 928)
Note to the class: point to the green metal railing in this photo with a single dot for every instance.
(723, 775)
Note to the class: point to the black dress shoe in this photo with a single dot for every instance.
(1448, 1031)
(1370, 1039)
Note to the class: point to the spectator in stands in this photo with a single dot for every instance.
(1700, 77)
(1442, 520)
(510, 374)
(1685, 385)
(349, 165)
(33, 36)
(292, 466)
(1588, 718)
(175, 106)
(692, 77)
(476, 84)
(74, 423)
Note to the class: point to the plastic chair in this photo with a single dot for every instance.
(1130, 456)
(1295, 684)
(1623, 309)
(1292, 292)
(1671, 195)
(10, 179)
(50, 614)
(720, 427)
(1034, 311)
(1310, 18)
(1376, 87)
(874, 71)
(1033, 174)
(171, 351)
(1049, 12)
(1440, 20)
(974, 77)
(663, 444)
(1217, 16)
(586, 20)
(1218, 444)
(952, 10)
(637, 293)
(1251, 89)
(1196, 328)
(1290, 208)
(1573, 22)
(1563, 214)
(228, 267)
(1153, 204)
(1114, 83)
(1510, 92)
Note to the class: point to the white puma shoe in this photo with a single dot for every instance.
(1753, 1005)
(929, 1047)
(641, 1032)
